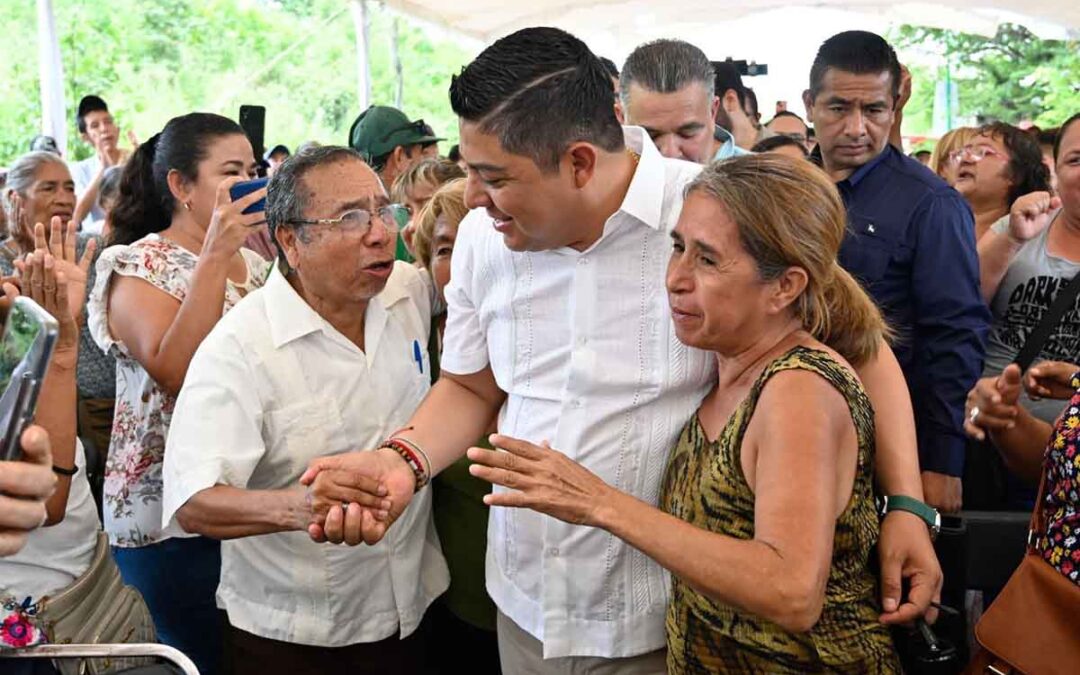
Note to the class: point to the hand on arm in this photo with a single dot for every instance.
(781, 573)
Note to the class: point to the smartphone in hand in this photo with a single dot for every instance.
(25, 350)
(247, 187)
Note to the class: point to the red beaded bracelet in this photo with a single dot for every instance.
(411, 453)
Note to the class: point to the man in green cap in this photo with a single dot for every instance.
(390, 143)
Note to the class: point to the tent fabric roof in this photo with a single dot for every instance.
(630, 20)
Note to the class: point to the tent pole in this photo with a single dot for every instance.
(361, 25)
(51, 77)
(395, 59)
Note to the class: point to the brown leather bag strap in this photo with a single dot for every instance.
(1037, 525)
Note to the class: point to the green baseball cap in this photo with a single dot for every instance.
(381, 128)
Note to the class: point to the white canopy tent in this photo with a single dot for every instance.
(784, 34)
(631, 21)
(756, 30)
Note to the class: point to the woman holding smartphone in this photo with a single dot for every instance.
(174, 267)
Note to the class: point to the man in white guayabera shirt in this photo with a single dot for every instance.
(318, 360)
(559, 322)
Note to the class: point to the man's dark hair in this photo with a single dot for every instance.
(921, 153)
(538, 90)
(287, 196)
(666, 66)
(1026, 169)
(609, 66)
(858, 52)
(1061, 133)
(774, 142)
(726, 76)
(455, 153)
(87, 105)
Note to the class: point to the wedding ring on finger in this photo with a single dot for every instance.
(974, 414)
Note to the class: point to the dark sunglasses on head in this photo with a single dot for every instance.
(419, 126)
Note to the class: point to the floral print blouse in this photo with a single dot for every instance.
(1060, 543)
(133, 483)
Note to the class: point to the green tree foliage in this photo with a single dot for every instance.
(1012, 76)
(154, 60)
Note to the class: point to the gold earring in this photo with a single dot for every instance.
(187, 205)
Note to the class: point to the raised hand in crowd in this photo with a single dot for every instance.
(1028, 217)
(1051, 379)
(48, 286)
(107, 149)
(331, 479)
(60, 247)
(229, 226)
(896, 136)
(19, 219)
(1031, 214)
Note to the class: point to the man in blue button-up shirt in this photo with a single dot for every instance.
(910, 242)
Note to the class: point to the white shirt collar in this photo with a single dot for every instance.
(291, 318)
(645, 198)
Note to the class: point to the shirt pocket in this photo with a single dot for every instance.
(867, 249)
(294, 435)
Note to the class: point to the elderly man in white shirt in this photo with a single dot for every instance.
(558, 321)
(324, 359)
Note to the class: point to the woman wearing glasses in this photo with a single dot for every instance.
(175, 265)
(1025, 261)
(943, 160)
(998, 165)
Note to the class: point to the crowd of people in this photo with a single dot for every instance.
(628, 382)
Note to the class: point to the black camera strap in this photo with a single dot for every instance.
(1063, 301)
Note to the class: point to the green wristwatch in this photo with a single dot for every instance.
(912, 505)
